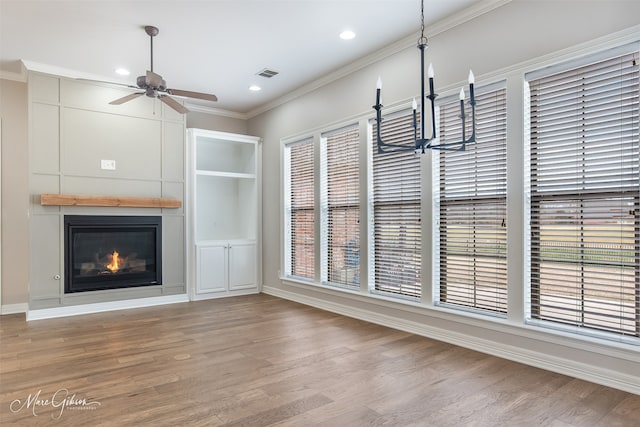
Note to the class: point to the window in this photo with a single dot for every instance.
(395, 247)
(585, 194)
(299, 210)
(341, 207)
(473, 188)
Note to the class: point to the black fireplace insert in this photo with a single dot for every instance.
(112, 252)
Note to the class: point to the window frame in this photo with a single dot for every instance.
(290, 210)
(385, 288)
(347, 204)
(536, 199)
(482, 198)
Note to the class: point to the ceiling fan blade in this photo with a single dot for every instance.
(190, 94)
(154, 80)
(126, 98)
(108, 83)
(173, 104)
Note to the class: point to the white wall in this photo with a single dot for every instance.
(499, 45)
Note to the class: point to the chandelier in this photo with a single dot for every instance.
(423, 142)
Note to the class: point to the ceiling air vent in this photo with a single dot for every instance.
(267, 73)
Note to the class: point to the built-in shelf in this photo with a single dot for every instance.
(227, 174)
(224, 194)
(108, 201)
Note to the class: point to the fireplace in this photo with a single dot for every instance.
(112, 252)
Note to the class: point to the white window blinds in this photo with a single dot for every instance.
(473, 188)
(585, 195)
(300, 213)
(396, 230)
(341, 207)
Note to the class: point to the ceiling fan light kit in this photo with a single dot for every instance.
(154, 86)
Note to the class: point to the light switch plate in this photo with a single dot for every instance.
(108, 164)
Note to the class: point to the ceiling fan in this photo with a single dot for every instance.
(154, 86)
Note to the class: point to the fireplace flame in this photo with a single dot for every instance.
(114, 265)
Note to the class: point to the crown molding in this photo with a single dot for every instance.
(74, 74)
(66, 72)
(446, 24)
(16, 77)
(197, 108)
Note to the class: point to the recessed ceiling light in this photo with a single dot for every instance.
(122, 71)
(347, 35)
(255, 88)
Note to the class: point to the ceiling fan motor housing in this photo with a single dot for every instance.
(143, 83)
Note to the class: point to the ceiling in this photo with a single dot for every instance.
(211, 46)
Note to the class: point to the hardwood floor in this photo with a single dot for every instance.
(263, 361)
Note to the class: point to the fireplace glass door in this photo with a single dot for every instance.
(111, 252)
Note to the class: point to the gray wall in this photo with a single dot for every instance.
(72, 128)
(15, 200)
(70, 163)
(211, 121)
(498, 46)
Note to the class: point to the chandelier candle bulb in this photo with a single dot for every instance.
(378, 89)
(414, 106)
(430, 74)
(472, 80)
(462, 111)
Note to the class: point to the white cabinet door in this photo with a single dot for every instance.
(212, 268)
(242, 266)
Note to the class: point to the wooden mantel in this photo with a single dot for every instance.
(108, 201)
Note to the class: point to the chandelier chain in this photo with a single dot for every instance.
(423, 39)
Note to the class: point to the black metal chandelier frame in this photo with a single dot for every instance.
(422, 143)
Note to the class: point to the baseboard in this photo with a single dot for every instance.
(548, 362)
(226, 294)
(75, 310)
(14, 308)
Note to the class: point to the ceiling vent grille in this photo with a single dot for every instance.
(267, 73)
